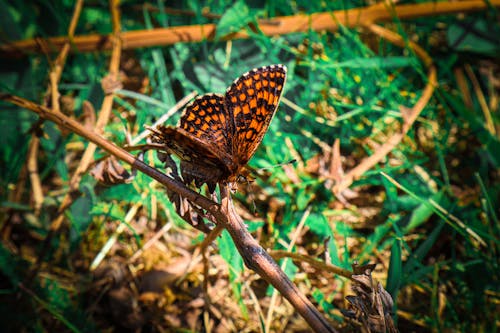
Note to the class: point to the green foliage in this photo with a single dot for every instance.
(235, 265)
(236, 17)
(485, 39)
(320, 226)
(395, 274)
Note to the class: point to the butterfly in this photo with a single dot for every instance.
(218, 134)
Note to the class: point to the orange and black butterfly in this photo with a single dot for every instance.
(218, 134)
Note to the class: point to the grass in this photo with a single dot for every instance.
(427, 214)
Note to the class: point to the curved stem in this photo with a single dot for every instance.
(258, 260)
(272, 27)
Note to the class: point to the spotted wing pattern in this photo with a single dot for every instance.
(217, 135)
(187, 146)
(206, 119)
(200, 162)
(253, 99)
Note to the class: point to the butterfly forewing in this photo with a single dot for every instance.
(252, 99)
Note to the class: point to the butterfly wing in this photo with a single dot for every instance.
(203, 140)
(200, 161)
(252, 100)
(183, 144)
(206, 119)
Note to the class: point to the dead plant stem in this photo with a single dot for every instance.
(329, 21)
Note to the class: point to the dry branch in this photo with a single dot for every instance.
(281, 25)
(102, 120)
(52, 96)
(104, 115)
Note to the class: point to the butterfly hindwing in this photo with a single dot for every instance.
(199, 161)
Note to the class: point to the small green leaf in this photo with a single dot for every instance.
(231, 255)
(80, 213)
(320, 226)
(234, 19)
(320, 298)
(110, 210)
(395, 269)
(303, 197)
(422, 213)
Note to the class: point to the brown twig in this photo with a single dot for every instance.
(104, 115)
(490, 125)
(277, 26)
(257, 259)
(463, 87)
(52, 95)
(120, 153)
(87, 157)
(32, 168)
(319, 265)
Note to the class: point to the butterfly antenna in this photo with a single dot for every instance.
(278, 165)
